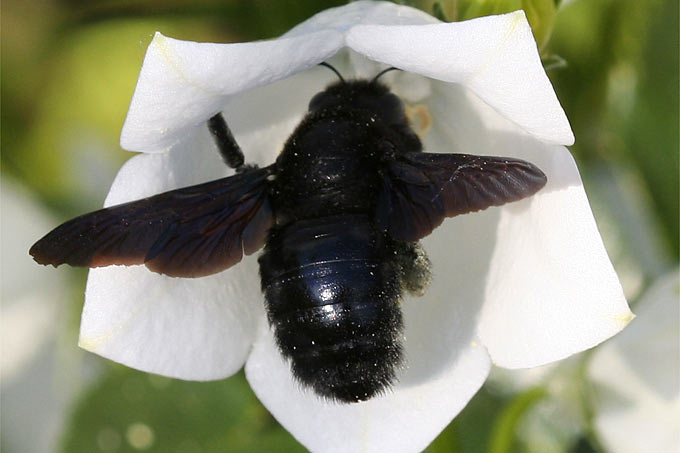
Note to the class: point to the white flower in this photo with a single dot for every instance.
(519, 286)
(637, 376)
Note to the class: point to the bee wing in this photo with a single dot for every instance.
(189, 232)
(421, 189)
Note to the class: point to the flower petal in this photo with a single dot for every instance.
(637, 376)
(187, 328)
(406, 419)
(345, 17)
(183, 83)
(198, 329)
(550, 289)
(495, 57)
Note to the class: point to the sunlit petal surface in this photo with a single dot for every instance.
(494, 57)
(549, 287)
(186, 328)
(183, 83)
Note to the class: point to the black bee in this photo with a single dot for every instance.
(339, 214)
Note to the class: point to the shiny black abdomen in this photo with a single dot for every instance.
(331, 286)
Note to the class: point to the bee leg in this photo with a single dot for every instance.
(414, 267)
(226, 143)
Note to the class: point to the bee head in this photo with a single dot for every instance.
(369, 96)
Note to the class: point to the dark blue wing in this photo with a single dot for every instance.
(189, 232)
(420, 190)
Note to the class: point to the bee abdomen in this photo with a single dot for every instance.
(332, 296)
(340, 353)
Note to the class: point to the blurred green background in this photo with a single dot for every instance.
(69, 68)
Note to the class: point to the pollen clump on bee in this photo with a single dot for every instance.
(419, 118)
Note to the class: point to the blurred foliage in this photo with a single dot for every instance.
(503, 439)
(620, 93)
(69, 70)
(467, 433)
(59, 118)
(129, 411)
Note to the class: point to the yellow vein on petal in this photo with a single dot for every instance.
(504, 42)
(94, 343)
(162, 44)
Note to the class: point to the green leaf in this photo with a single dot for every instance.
(503, 436)
(438, 12)
(478, 8)
(470, 431)
(131, 411)
(541, 15)
(620, 93)
(553, 62)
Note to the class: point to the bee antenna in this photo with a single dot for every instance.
(381, 73)
(333, 69)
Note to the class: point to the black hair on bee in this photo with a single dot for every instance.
(339, 215)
